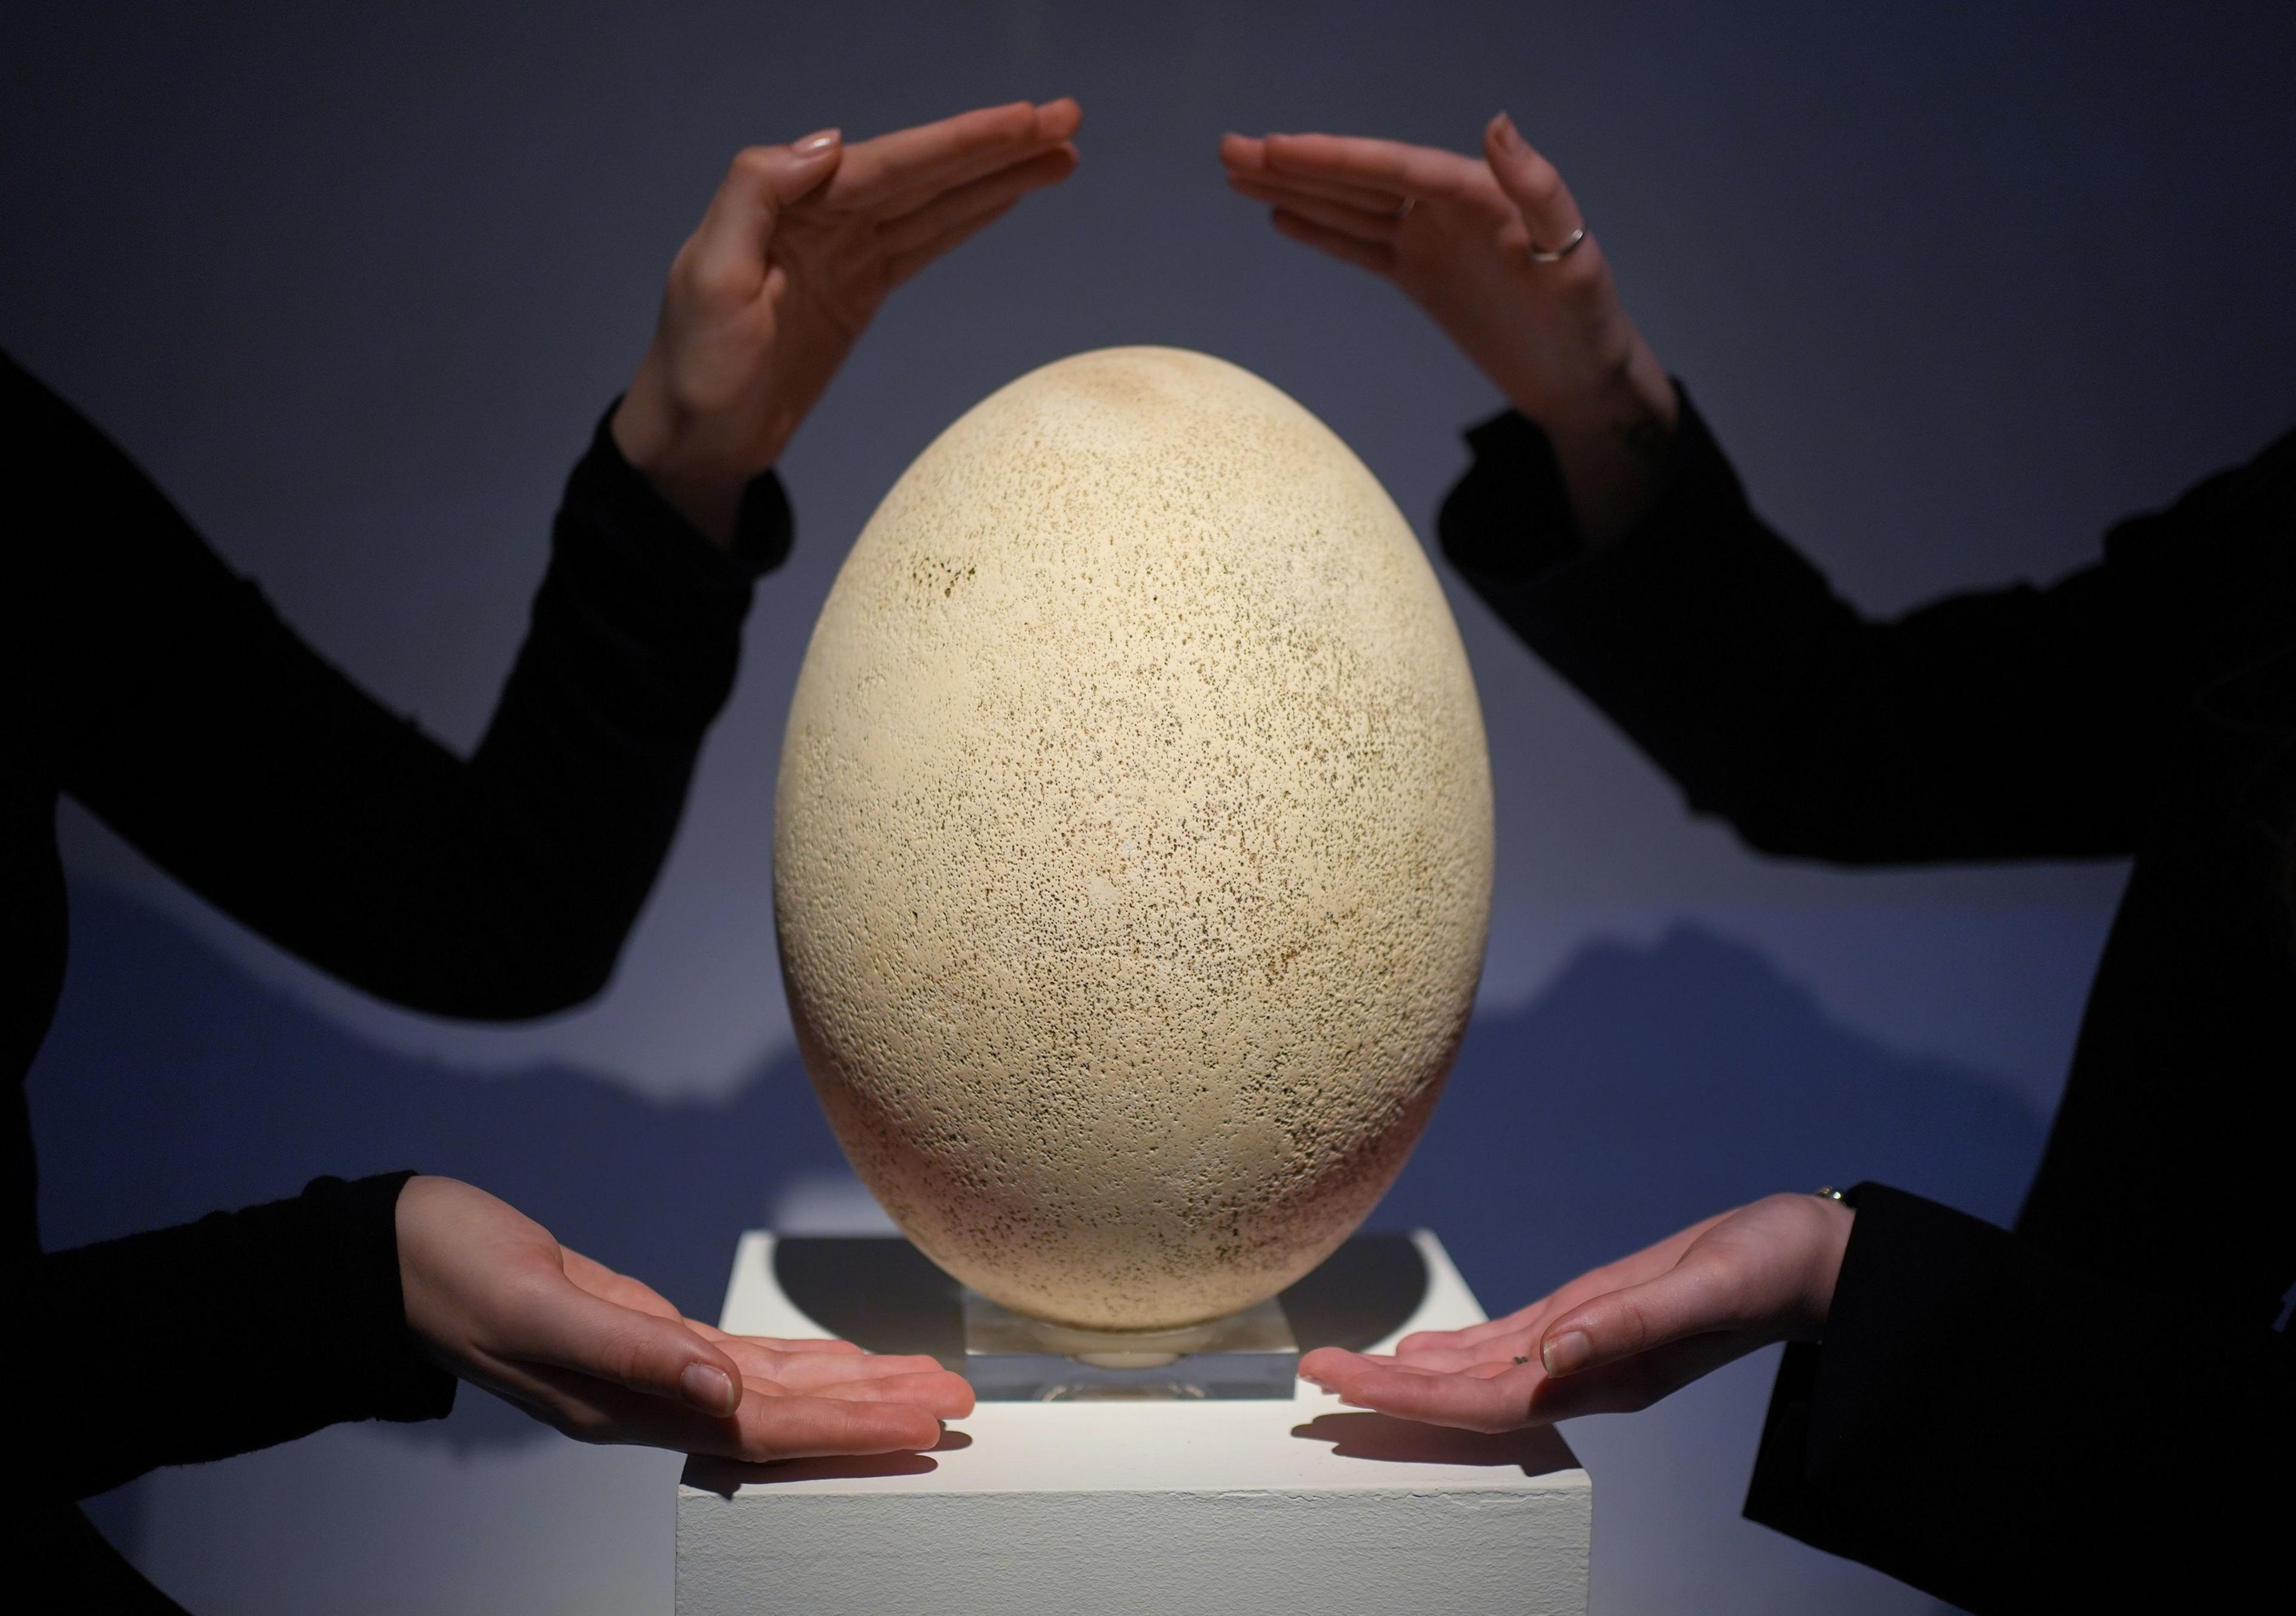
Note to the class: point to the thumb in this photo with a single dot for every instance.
(761, 181)
(1690, 1299)
(1549, 213)
(574, 1330)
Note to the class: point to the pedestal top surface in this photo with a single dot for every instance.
(1311, 1443)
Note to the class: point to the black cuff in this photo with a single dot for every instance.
(1508, 523)
(764, 527)
(2000, 1429)
(361, 1216)
(637, 607)
(1509, 519)
(1911, 1276)
(269, 1323)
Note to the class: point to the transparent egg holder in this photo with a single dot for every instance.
(1011, 1357)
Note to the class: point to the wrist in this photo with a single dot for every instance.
(1614, 442)
(649, 433)
(1838, 1219)
(417, 1198)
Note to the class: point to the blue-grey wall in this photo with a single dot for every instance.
(1957, 285)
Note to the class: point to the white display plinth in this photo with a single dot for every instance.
(1053, 1509)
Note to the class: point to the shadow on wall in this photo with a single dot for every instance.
(1648, 1087)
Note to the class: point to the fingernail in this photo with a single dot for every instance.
(707, 1388)
(814, 145)
(1566, 1353)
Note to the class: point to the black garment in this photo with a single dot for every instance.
(2098, 1401)
(141, 676)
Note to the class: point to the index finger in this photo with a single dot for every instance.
(1420, 172)
(1498, 1402)
(896, 171)
(1635, 1267)
(555, 1322)
(772, 1344)
(803, 1370)
(1246, 162)
(1474, 1335)
(1694, 1298)
(770, 1428)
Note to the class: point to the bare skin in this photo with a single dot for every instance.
(799, 247)
(603, 1358)
(1453, 235)
(1618, 1339)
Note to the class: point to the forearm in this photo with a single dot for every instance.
(498, 887)
(235, 1333)
(1992, 725)
(1701, 634)
(631, 653)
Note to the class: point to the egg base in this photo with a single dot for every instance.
(1011, 1357)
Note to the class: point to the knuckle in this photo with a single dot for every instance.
(637, 1359)
(717, 282)
(1539, 182)
(589, 1426)
(751, 163)
(1583, 276)
(686, 270)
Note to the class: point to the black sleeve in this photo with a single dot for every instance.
(2011, 1434)
(2023, 722)
(160, 688)
(242, 1330)
(182, 710)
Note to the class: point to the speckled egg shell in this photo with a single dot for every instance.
(1133, 843)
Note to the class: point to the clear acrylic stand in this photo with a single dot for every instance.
(1011, 1357)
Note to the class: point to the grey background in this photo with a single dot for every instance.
(1956, 285)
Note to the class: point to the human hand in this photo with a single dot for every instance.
(798, 248)
(1618, 1339)
(603, 1358)
(1455, 235)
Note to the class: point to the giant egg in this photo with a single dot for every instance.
(1131, 852)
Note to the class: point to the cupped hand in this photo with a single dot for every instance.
(1621, 1337)
(497, 1302)
(797, 251)
(1456, 234)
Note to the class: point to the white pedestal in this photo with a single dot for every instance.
(1054, 1509)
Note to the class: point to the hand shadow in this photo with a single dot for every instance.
(726, 1477)
(1539, 1450)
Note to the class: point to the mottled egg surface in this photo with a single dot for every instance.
(1133, 843)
